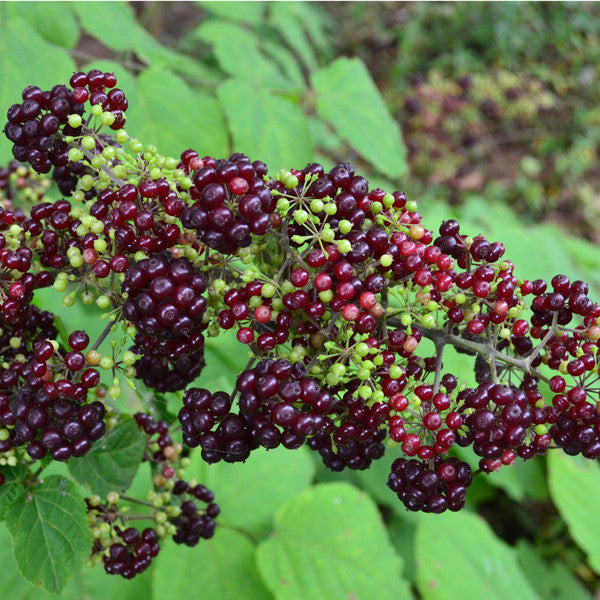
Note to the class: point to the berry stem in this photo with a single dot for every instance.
(103, 335)
(136, 501)
(484, 350)
(543, 343)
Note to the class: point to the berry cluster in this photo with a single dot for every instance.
(192, 523)
(503, 422)
(133, 553)
(35, 126)
(431, 488)
(232, 202)
(43, 392)
(165, 304)
(330, 287)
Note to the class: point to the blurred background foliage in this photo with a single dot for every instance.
(483, 112)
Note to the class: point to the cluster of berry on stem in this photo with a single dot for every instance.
(331, 289)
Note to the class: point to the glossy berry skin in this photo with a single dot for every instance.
(166, 304)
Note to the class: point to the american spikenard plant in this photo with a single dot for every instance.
(330, 287)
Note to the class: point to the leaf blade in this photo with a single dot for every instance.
(459, 556)
(51, 538)
(348, 99)
(272, 128)
(339, 551)
(232, 572)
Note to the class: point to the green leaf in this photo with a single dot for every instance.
(222, 567)
(287, 19)
(113, 461)
(112, 23)
(249, 493)
(402, 535)
(11, 488)
(330, 542)
(12, 584)
(574, 486)
(172, 116)
(286, 61)
(265, 126)
(244, 12)
(27, 59)
(557, 583)
(237, 52)
(348, 99)
(50, 533)
(458, 556)
(54, 21)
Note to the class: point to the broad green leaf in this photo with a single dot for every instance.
(558, 583)
(113, 461)
(374, 480)
(95, 584)
(330, 542)
(574, 487)
(287, 19)
(318, 24)
(50, 533)
(12, 584)
(172, 116)
(238, 54)
(522, 480)
(286, 60)
(222, 567)
(244, 12)
(112, 23)
(402, 535)
(54, 21)
(249, 493)
(78, 316)
(265, 126)
(27, 59)
(11, 488)
(458, 556)
(348, 99)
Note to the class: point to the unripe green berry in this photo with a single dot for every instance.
(129, 358)
(386, 260)
(103, 302)
(107, 118)
(136, 146)
(69, 299)
(88, 142)
(345, 226)
(365, 392)
(75, 155)
(112, 497)
(316, 205)
(344, 246)
(74, 121)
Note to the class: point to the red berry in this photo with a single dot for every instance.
(238, 185)
(245, 335)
